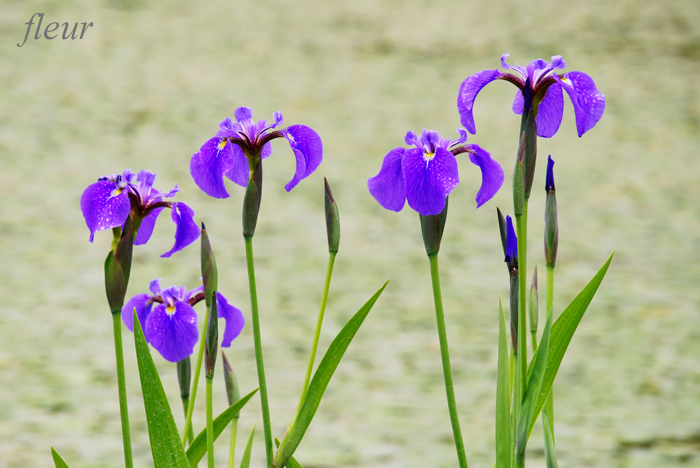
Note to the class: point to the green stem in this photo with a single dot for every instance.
(446, 367)
(317, 334)
(232, 450)
(210, 425)
(195, 382)
(267, 429)
(549, 404)
(121, 382)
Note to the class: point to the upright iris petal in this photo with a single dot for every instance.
(424, 176)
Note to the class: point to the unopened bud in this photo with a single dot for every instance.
(332, 219)
(432, 227)
(212, 339)
(115, 285)
(184, 376)
(534, 304)
(519, 181)
(209, 270)
(251, 201)
(551, 224)
(502, 228)
(530, 159)
(232, 391)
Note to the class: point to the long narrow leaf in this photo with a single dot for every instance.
(562, 332)
(57, 460)
(320, 381)
(503, 394)
(550, 454)
(534, 383)
(166, 447)
(198, 447)
(245, 461)
(292, 463)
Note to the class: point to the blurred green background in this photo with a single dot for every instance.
(148, 84)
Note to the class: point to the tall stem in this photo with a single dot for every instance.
(210, 425)
(549, 404)
(446, 367)
(232, 448)
(121, 382)
(317, 334)
(267, 429)
(195, 381)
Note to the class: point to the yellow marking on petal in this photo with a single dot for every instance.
(428, 156)
(170, 310)
(567, 81)
(222, 143)
(116, 191)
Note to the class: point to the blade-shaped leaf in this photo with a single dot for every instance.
(57, 460)
(292, 462)
(562, 332)
(532, 390)
(320, 381)
(166, 448)
(550, 454)
(198, 447)
(503, 394)
(245, 461)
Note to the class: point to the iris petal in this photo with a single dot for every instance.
(146, 228)
(429, 180)
(239, 169)
(589, 103)
(104, 206)
(172, 334)
(142, 303)
(186, 230)
(308, 150)
(389, 186)
(491, 174)
(209, 164)
(234, 319)
(550, 111)
(467, 94)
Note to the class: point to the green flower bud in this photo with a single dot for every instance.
(332, 220)
(251, 201)
(209, 270)
(211, 342)
(432, 227)
(233, 393)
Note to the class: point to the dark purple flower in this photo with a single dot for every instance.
(540, 88)
(425, 175)
(108, 202)
(237, 147)
(511, 242)
(171, 327)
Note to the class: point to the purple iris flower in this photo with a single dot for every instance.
(171, 327)
(108, 202)
(425, 175)
(238, 146)
(540, 88)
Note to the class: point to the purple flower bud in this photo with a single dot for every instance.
(511, 243)
(549, 184)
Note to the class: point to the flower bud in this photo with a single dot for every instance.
(551, 225)
(209, 270)
(184, 377)
(511, 260)
(530, 157)
(124, 248)
(251, 201)
(212, 339)
(232, 391)
(502, 228)
(511, 257)
(332, 220)
(114, 284)
(534, 304)
(519, 180)
(432, 227)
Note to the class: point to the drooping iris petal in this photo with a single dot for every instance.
(234, 320)
(142, 303)
(518, 103)
(172, 331)
(104, 206)
(550, 111)
(429, 179)
(389, 186)
(239, 170)
(266, 151)
(491, 174)
(467, 94)
(146, 228)
(308, 150)
(589, 103)
(186, 230)
(209, 164)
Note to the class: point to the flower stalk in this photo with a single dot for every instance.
(233, 394)
(211, 345)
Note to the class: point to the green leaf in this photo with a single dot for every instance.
(198, 447)
(562, 332)
(292, 463)
(503, 446)
(550, 454)
(57, 460)
(114, 284)
(320, 381)
(532, 390)
(166, 448)
(245, 461)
